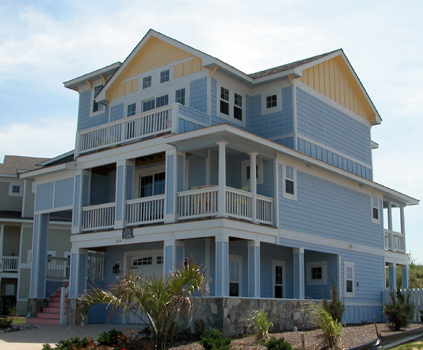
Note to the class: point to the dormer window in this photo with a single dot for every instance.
(164, 76)
(96, 106)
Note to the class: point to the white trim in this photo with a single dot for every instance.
(18, 184)
(349, 265)
(268, 93)
(274, 264)
(237, 258)
(305, 138)
(294, 180)
(357, 303)
(317, 282)
(142, 253)
(142, 172)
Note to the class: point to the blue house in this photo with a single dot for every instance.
(265, 179)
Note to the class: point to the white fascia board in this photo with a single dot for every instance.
(277, 148)
(396, 257)
(55, 159)
(130, 151)
(74, 83)
(9, 176)
(31, 175)
(16, 221)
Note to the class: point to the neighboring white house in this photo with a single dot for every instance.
(16, 227)
(266, 179)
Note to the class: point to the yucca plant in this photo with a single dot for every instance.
(261, 324)
(160, 300)
(331, 329)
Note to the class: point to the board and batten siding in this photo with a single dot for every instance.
(329, 210)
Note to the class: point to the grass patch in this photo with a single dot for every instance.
(18, 320)
(410, 346)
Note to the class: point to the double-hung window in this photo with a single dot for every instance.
(224, 101)
(375, 210)
(148, 105)
(289, 182)
(237, 106)
(349, 279)
(162, 101)
(96, 106)
(278, 268)
(131, 110)
(180, 96)
(235, 263)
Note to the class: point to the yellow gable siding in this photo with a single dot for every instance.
(333, 79)
(154, 54)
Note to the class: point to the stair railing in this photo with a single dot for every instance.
(63, 317)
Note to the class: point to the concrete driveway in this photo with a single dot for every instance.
(51, 334)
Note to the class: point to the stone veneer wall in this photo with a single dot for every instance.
(230, 315)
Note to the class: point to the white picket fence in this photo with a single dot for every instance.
(416, 297)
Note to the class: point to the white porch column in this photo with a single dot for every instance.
(173, 255)
(78, 272)
(171, 193)
(39, 256)
(80, 198)
(253, 184)
(402, 219)
(125, 169)
(222, 266)
(298, 273)
(1, 247)
(392, 267)
(221, 201)
(254, 269)
(391, 236)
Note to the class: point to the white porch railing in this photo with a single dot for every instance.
(58, 268)
(202, 202)
(394, 241)
(132, 128)
(264, 210)
(197, 203)
(98, 217)
(238, 203)
(95, 270)
(147, 210)
(10, 263)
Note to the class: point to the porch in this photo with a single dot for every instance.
(10, 237)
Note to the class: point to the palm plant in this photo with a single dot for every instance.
(160, 300)
(331, 329)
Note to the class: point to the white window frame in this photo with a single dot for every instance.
(185, 96)
(372, 206)
(100, 106)
(237, 258)
(160, 76)
(284, 178)
(15, 194)
(268, 93)
(142, 81)
(126, 109)
(244, 165)
(349, 265)
(146, 172)
(317, 282)
(274, 264)
(231, 103)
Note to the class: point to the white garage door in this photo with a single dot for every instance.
(149, 263)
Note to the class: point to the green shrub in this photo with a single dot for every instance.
(399, 311)
(109, 338)
(331, 329)
(213, 340)
(5, 322)
(335, 306)
(46, 347)
(73, 343)
(278, 344)
(261, 324)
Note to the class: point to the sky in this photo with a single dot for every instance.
(46, 42)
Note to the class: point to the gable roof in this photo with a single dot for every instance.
(15, 164)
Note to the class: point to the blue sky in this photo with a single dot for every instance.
(44, 43)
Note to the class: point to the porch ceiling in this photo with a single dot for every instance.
(236, 144)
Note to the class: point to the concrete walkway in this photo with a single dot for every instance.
(35, 338)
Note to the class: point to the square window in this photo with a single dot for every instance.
(16, 189)
(131, 110)
(180, 96)
(316, 273)
(146, 82)
(271, 101)
(164, 76)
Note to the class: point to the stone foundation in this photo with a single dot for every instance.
(231, 315)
